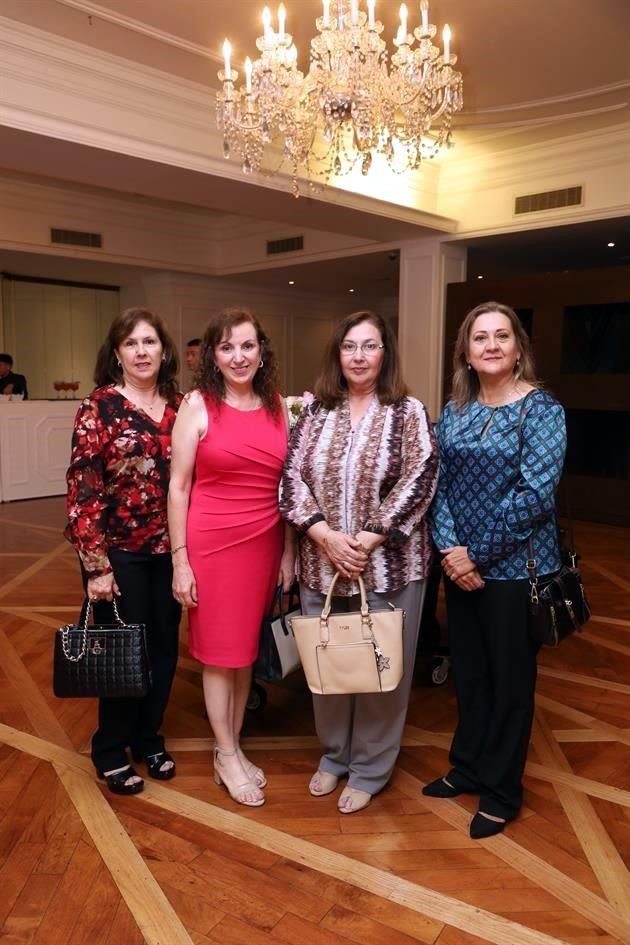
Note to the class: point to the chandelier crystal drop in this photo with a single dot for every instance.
(355, 101)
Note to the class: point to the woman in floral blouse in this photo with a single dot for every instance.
(117, 488)
(358, 480)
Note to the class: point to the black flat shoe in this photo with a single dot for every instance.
(117, 783)
(439, 788)
(481, 827)
(154, 764)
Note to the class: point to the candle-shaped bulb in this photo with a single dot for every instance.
(227, 49)
(326, 16)
(446, 36)
(266, 18)
(371, 21)
(354, 12)
(424, 10)
(248, 75)
(402, 32)
(282, 18)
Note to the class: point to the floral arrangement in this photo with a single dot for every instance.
(296, 405)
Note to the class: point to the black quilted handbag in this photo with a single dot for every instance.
(101, 660)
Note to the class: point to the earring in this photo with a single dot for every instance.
(468, 366)
(517, 366)
(261, 363)
(118, 363)
(164, 357)
(216, 369)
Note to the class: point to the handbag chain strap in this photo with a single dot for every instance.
(65, 632)
(531, 560)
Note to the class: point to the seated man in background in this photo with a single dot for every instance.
(11, 383)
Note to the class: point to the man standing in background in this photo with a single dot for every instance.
(193, 355)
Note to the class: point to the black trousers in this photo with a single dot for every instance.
(146, 597)
(494, 670)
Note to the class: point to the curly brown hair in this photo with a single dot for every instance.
(330, 386)
(209, 379)
(108, 369)
(465, 386)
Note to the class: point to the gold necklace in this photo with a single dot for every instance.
(142, 403)
(502, 400)
(255, 405)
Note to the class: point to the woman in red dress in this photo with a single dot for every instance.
(229, 546)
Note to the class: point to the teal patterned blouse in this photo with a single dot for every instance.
(492, 496)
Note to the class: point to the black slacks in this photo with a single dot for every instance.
(146, 597)
(494, 670)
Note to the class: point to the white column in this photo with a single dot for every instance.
(426, 268)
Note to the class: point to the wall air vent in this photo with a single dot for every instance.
(75, 238)
(290, 245)
(551, 200)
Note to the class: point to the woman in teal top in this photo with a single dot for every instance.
(502, 444)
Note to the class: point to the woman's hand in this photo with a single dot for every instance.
(456, 562)
(471, 581)
(345, 553)
(368, 541)
(286, 574)
(184, 584)
(102, 587)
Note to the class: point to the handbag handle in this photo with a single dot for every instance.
(278, 602)
(65, 632)
(88, 611)
(366, 622)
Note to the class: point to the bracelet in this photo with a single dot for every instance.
(175, 550)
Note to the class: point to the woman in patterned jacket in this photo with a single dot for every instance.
(117, 489)
(359, 478)
(502, 443)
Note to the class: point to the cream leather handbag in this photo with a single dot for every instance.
(351, 653)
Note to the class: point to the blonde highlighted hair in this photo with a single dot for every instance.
(465, 385)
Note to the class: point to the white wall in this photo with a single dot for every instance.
(53, 333)
(298, 323)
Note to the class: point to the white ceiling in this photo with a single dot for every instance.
(533, 69)
(524, 62)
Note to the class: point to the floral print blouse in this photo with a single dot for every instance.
(118, 479)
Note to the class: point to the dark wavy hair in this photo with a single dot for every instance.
(108, 369)
(465, 385)
(209, 379)
(331, 387)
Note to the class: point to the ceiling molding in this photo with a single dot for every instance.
(542, 122)
(564, 157)
(138, 26)
(552, 100)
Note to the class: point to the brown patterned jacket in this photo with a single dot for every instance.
(380, 477)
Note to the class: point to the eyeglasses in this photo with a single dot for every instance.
(368, 347)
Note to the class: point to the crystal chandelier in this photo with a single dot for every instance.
(355, 101)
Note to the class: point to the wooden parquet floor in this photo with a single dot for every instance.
(182, 864)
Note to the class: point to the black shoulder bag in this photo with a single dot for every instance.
(557, 605)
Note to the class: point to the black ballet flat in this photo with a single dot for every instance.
(439, 788)
(481, 827)
(154, 765)
(117, 783)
